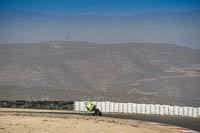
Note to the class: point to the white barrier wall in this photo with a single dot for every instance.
(198, 111)
(120, 107)
(116, 107)
(103, 107)
(111, 107)
(152, 109)
(125, 107)
(157, 109)
(147, 109)
(171, 110)
(143, 108)
(190, 110)
(129, 107)
(166, 109)
(82, 106)
(98, 105)
(107, 108)
(162, 109)
(176, 110)
(194, 113)
(140, 108)
(180, 111)
(134, 110)
(185, 111)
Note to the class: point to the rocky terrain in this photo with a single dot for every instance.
(131, 72)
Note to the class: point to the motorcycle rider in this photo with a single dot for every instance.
(89, 107)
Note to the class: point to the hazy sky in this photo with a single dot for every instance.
(102, 21)
(99, 7)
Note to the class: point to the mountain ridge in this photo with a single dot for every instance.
(130, 72)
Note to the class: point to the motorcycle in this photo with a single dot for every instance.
(96, 111)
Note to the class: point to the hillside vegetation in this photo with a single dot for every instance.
(131, 72)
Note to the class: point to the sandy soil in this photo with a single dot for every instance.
(24, 122)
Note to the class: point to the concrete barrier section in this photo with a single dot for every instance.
(198, 111)
(194, 113)
(120, 107)
(77, 106)
(157, 109)
(111, 107)
(106, 106)
(103, 107)
(148, 109)
(176, 110)
(166, 109)
(171, 110)
(98, 105)
(125, 107)
(185, 111)
(180, 111)
(134, 110)
(162, 109)
(138, 108)
(82, 106)
(143, 108)
(116, 107)
(129, 107)
(152, 109)
(190, 111)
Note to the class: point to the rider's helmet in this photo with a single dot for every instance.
(86, 102)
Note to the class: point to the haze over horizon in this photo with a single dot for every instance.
(101, 21)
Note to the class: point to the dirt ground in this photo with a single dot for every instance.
(25, 122)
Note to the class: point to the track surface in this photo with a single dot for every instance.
(186, 122)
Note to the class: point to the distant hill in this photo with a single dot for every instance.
(131, 72)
